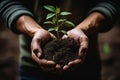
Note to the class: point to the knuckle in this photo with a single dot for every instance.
(84, 38)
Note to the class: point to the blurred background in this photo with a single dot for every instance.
(109, 46)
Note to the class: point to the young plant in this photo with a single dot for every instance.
(59, 50)
(55, 17)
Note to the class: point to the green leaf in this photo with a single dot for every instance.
(48, 22)
(51, 29)
(54, 20)
(50, 8)
(61, 20)
(63, 31)
(57, 10)
(56, 29)
(70, 23)
(106, 48)
(65, 13)
(50, 15)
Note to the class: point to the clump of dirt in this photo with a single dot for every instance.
(61, 51)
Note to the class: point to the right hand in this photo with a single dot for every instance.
(82, 40)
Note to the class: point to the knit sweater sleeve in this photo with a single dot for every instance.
(10, 10)
(110, 9)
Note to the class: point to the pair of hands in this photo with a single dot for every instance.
(26, 25)
(92, 24)
(41, 36)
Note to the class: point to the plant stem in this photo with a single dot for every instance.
(58, 35)
(57, 27)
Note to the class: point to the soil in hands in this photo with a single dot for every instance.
(61, 51)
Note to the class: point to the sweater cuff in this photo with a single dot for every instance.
(12, 19)
(106, 9)
(10, 11)
(110, 10)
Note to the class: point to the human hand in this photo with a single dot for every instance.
(82, 40)
(28, 26)
(40, 37)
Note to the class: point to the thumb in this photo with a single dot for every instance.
(83, 46)
(37, 52)
(36, 48)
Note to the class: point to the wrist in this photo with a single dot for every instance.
(27, 25)
(93, 23)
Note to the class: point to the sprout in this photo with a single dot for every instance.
(54, 17)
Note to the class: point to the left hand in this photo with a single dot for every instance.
(39, 38)
(79, 36)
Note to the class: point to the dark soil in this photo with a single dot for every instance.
(61, 51)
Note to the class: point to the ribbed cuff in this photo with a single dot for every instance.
(106, 9)
(12, 19)
(10, 11)
(110, 10)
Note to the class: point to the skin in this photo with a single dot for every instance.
(92, 24)
(26, 25)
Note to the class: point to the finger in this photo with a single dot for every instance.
(37, 52)
(65, 68)
(83, 46)
(64, 37)
(77, 61)
(35, 58)
(58, 67)
(72, 65)
(83, 39)
(53, 36)
(35, 47)
(82, 53)
(47, 63)
(44, 64)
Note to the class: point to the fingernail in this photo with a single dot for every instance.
(58, 66)
(39, 54)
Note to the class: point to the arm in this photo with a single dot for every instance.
(20, 20)
(10, 11)
(101, 18)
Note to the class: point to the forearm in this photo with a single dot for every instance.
(94, 23)
(101, 18)
(27, 25)
(10, 11)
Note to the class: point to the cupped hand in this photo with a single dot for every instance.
(40, 37)
(82, 40)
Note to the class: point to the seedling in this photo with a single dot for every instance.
(62, 51)
(56, 18)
